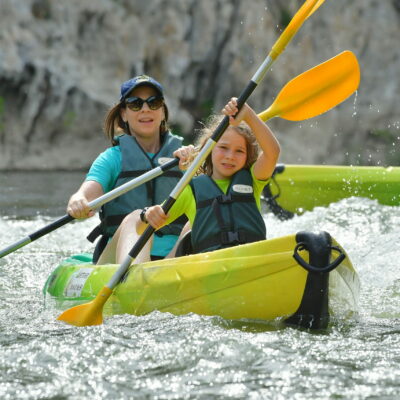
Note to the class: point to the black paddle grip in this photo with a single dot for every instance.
(145, 236)
(170, 164)
(246, 93)
(223, 125)
(51, 227)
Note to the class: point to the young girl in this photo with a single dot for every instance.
(223, 204)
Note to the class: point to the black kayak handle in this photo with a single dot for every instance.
(311, 268)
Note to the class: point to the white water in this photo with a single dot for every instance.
(161, 356)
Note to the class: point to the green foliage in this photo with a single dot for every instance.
(384, 135)
(206, 108)
(176, 129)
(41, 9)
(69, 119)
(284, 18)
(393, 158)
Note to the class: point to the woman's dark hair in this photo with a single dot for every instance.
(114, 125)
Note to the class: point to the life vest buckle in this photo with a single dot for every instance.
(232, 238)
(224, 199)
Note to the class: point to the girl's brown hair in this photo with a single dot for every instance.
(114, 125)
(242, 129)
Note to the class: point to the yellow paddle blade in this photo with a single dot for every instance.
(319, 2)
(309, 7)
(317, 90)
(87, 314)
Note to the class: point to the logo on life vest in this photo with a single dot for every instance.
(242, 188)
(164, 160)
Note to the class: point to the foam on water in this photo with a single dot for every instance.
(168, 357)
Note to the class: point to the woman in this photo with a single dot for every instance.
(138, 131)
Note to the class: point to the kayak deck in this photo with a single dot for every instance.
(299, 188)
(260, 280)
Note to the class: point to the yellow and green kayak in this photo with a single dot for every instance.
(305, 279)
(298, 188)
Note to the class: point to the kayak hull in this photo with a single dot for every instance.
(299, 188)
(260, 281)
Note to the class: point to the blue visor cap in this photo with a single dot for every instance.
(141, 80)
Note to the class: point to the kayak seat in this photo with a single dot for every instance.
(185, 245)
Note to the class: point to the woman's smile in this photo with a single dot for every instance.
(146, 120)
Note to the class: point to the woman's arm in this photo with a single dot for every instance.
(78, 204)
(101, 178)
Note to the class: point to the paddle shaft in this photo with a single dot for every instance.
(96, 203)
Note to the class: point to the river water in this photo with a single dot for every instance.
(161, 356)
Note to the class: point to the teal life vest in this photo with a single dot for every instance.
(225, 220)
(135, 162)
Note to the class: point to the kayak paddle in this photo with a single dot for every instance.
(92, 313)
(317, 90)
(96, 203)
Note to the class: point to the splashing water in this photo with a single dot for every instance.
(195, 357)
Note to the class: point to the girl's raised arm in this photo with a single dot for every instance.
(270, 148)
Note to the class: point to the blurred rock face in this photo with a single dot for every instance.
(62, 63)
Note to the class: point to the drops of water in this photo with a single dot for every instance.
(168, 357)
(355, 104)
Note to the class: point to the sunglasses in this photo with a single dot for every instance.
(136, 103)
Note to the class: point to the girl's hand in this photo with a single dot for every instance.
(186, 155)
(156, 216)
(78, 206)
(231, 110)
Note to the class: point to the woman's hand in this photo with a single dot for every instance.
(78, 206)
(186, 155)
(156, 216)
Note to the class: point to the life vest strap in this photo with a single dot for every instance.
(94, 234)
(135, 174)
(226, 199)
(227, 239)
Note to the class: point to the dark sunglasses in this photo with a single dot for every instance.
(136, 103)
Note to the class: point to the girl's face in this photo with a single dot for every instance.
(229, 155)
(144, 123)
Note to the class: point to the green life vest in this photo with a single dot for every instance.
(135, 162)
(225, 220)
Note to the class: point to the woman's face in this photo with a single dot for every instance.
(144, 123)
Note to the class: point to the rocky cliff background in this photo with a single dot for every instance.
(62, 63)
